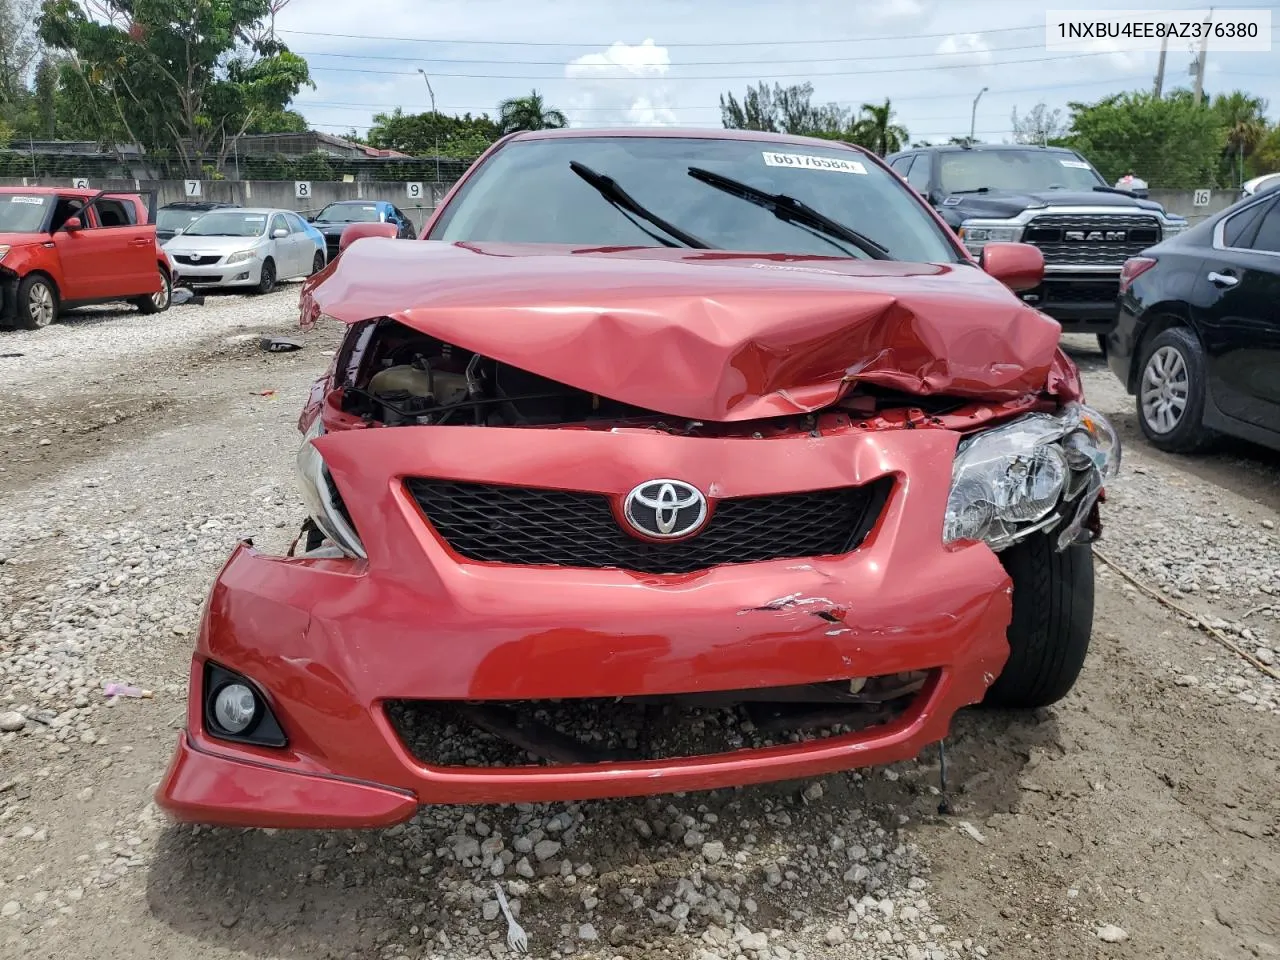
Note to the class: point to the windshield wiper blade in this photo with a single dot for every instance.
(608, 188)
(974, 190)
(791, 210)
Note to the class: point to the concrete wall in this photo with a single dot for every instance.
(281, 193)
(271, 193)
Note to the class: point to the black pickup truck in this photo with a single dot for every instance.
(1053, 198)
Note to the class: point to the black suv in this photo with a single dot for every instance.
(173, 217)
(1051, 197)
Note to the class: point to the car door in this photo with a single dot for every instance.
(286, 248)
(307, 245)
(127, 261)
(75, 248)
(1236, 304)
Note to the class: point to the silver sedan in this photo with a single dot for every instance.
(246, 247)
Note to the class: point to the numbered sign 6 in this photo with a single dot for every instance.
(192, 187)
(1201, 198)
(413, 190)
(80, 183)
(302, 189)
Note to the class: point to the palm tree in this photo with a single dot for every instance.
(528, 113)
(1244, 120)
(875, 129)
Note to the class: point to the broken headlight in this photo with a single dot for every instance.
(321, 497)
(1037, 472)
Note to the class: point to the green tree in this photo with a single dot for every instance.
(780, 109)
(184, 78)
(1266, 159)
(1169, 141)
(422, 134)
(875, 129)
(528, 113)
(1244, 122)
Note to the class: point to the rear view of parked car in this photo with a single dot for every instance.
(71, 248)
(1198, 337)
(246, 247)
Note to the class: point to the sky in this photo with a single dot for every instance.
(665, 62)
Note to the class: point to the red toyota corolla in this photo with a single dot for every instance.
(666, 461)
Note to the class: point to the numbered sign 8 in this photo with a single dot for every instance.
(80, 183)
(192, 187)
(302, 189)
(413, 190)
(1201, 198)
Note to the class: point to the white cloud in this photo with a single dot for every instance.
(883, 11)
(964, 51)
(600, 98)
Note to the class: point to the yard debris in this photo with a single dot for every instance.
(111, 690)
(279, 344)
(264, 393)
(972, 831)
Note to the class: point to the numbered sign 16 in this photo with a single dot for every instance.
(80, 183)
(1201, 198)
(413, 190)
(192, 187)
(302, 189)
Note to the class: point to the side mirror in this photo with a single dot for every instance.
(1019, 266)
(358, 230)
(72, 225)
(279, 233)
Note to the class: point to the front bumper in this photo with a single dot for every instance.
(247, 273)
(331, 641)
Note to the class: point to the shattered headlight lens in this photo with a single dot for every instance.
(1030, 474)
(320, 496)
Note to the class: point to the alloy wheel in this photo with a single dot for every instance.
(40, 305)
(1166, 387)
(160, 299)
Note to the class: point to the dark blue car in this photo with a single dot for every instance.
(336, 217)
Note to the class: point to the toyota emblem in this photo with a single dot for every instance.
(666, 509)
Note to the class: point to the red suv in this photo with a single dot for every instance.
(67, 248)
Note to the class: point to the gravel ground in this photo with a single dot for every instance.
(1137, 818)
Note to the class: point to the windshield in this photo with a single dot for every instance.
(1014, 170)
(349, 213)
(23, 212)
(227, 223)
(176, 219)
(527, 193)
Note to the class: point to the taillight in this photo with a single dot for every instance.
(1133, 268)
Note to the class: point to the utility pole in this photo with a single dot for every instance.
(973, 116)
(1204, 49)
(1164, 50)
(435, 120)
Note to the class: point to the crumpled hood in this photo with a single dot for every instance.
(706, 335)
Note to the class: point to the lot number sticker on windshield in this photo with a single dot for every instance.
(808, 162)
(1075, 164)
(38, 201)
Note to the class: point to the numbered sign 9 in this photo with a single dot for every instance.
(80, 183)
(302, 189)
(413, 190)
(1201, 198)
(192, 187)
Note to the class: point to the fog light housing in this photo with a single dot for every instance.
(236, 710)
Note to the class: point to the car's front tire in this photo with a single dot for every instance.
(158, 302)
(1051, 624)
(1171, 392)
(37, 304)
(267, 278)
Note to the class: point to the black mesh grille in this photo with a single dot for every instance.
(1050, 232)
(523, 525)
(206, 260)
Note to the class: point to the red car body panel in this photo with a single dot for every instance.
(735, 340)
(91, 265)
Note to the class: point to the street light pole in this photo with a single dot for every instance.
(435, 120)
(973, 117)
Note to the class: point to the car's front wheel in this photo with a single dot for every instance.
(267, 279)
(159, 301)
(1051, 624)
(37, 302)
(1171, 392)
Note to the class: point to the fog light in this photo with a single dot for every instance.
(234, 708)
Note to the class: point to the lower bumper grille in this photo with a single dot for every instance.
(524, 733)
(521, 525)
